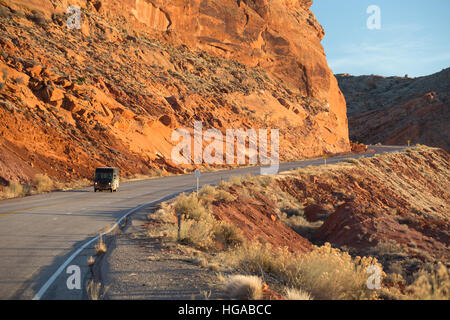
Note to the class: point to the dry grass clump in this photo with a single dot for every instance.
(353, 161)
(326, 273)
(224, 196)
(100, 247)
(431, 285)
(235, 181)
(42, 183)
(192, 208)
(296, 294)
(15, 189)
(205, 235)
(95, 291)
(199, 228)
(331, 274)
(199, 234)
(203, 262)
(228, 234)
(91, 261)
(164, 214)
(428, 284)
(209, 194)
(244, 287)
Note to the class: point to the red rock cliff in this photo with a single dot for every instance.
(112, 92)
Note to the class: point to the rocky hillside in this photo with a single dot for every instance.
(113, 91)
(367, 208)
(394, 110)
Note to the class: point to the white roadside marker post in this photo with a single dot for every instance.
(325, 158)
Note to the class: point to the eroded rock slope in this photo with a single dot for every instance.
(112, 92)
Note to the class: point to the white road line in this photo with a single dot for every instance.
(52, 279)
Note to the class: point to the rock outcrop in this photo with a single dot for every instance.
(394, 110)
(112, 92)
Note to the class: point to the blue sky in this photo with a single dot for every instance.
(414, 38)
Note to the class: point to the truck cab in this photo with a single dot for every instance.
(106, 178)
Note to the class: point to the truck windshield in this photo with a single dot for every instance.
(103, 175)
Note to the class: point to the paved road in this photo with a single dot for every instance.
(39, 233)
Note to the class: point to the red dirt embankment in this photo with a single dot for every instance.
(258, 221)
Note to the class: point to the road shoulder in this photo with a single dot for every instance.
(140, 267)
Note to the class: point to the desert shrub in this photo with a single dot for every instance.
(156, 172)
(331, 274)
(209, 193)
(38, 17)
(42, 183)
(227, 234)
(15, 189)
(198, 234)
(256, 258)
(20, 80)
(265, 181)
(163, 215)
(244, 287)
(326, 273)
(290, 211)
(199, 228)
(224, 195)
(427, 284)
(352, 161)
(235, 181)
(191, 208)
(166, 225)
(5, 74)
(4, 12)
(431, 285)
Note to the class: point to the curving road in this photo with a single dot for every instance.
(42, 234)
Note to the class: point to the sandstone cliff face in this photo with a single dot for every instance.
(394, 110)
(112, 92)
